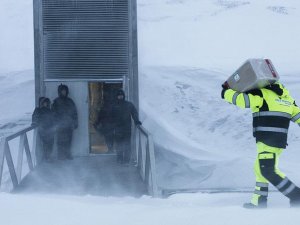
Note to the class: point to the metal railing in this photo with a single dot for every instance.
(16, 172)
(146, 160)
(144, 149)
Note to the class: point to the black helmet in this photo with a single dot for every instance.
(62, 87)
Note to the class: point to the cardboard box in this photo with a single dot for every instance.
(253, 74)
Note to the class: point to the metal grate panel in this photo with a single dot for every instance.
(85, 39)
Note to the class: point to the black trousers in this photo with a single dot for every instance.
(47, 144)
(109, 139)
(123, 148)
(64, 140)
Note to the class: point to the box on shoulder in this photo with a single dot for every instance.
(253, 74)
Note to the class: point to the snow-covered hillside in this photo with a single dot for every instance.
(16, 36)
(187, 49)
(219, 34)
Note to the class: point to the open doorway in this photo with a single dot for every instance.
(101, 99)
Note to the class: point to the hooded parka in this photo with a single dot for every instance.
(43, 118)
(64, 109)
(65, 114)
(122, 112)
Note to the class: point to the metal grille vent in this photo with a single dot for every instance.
(85, 39)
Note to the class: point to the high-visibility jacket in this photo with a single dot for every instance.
(273, 108)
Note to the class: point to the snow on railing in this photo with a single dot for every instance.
(13, 152)
(146, 160)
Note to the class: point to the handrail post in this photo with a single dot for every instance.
(34, 147)
(146, 161)
(11, 166)
(27, 151)
(143, 155)
(20, 157)
(153, 166)
(148, 169)
(6, 154)
(136, 145)
(2, 154)
(139, 152)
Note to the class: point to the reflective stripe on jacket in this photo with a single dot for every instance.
(273, 108)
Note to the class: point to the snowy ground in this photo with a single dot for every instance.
(184, 209)
(187, 48)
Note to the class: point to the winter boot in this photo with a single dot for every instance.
(261, 203)
(252, 206)
(293, 193)
(295, 200)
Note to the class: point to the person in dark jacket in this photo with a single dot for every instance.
(44, 119)
(65, 114)
(105, 124)
(122, 113)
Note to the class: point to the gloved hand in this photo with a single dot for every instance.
(225, 87)
(33, 124)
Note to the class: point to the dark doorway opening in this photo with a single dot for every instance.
(101, 100)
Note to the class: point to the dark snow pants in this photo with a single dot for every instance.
(123, 148)
(64, 140)
(109, 139)
(47, 140)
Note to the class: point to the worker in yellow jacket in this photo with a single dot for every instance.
(273, 108)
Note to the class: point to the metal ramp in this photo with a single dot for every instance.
(95, 175)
